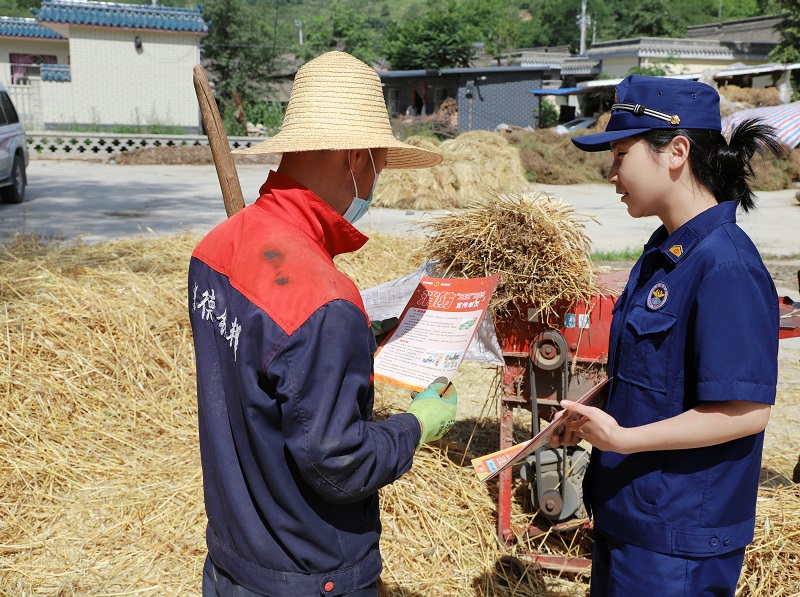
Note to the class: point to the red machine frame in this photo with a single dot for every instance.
(586, 329)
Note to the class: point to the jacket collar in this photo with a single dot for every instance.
(289, 200)
(680, 243)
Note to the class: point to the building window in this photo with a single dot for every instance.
(24, 66)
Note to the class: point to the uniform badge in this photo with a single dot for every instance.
(676, 250)
(658, 296)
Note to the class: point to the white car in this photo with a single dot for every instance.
(571, 126)
(13, 152)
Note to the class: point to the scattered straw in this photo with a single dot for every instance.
(472, 163)
(772, 561)
(538, 246)
(100, 481)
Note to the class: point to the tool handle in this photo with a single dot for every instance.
(218, 140)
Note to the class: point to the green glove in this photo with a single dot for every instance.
(436, 413)
(380, 327)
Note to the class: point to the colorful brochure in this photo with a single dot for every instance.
(435, 329)
(490, 465)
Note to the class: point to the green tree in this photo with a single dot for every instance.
(239, 55)
(343, 28)
(552, 23)
(17, 8)
(439, 39)
(496, 22)
(653, 18)
(788, 48)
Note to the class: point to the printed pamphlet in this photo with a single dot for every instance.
(435, 329)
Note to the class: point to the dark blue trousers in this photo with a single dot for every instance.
(620, 569)
(218, 584)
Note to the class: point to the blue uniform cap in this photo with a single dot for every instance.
(642, 104)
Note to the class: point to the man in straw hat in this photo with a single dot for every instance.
(292, 462)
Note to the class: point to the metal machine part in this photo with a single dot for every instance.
(557, 497)
(549, 350)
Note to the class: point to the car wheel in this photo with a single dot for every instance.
(16, 192)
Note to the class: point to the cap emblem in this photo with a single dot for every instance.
(658, 296)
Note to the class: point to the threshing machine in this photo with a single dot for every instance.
(548, 359)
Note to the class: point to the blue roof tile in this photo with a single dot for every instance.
(129, 16)
(20, 27)
(58, 73)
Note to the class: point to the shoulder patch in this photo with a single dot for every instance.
(676, 250)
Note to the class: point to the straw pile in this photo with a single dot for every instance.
(100, 481)
(99, 470)
(538, 246)
(472, 163)
(772, 561)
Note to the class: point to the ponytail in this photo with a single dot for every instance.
(723, 167)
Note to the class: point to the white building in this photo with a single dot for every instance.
(80, 63)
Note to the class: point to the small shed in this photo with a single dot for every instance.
(486, 96)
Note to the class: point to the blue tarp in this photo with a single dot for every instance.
(562, 91)
(784, 119)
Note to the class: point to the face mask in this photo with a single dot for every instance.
(359, 206)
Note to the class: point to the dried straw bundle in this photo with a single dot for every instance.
(472, 163)
(538, 246)
(772, 561)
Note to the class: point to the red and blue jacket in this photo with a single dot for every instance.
(291, 461)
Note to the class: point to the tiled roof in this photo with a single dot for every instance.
(58, 73)
(128, 16)
(19, 27)
(660, 46)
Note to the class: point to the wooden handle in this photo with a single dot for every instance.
(218, 140)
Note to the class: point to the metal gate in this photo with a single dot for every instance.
(28, 102)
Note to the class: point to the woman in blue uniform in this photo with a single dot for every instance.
(693, 352)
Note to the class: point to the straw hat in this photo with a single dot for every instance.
(337, 103)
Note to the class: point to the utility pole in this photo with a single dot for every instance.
(299, 24)
(583, 21)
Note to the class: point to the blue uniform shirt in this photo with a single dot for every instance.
(697, 322)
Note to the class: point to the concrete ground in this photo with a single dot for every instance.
(95, 201)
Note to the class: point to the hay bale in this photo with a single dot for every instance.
(473, 162)
(551, 158)
(537, 244)
(751, 97)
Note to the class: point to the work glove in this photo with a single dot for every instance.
(436, 413)
(381, 327)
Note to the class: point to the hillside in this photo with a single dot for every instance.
(501, 24)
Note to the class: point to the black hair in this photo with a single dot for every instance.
(723, 167)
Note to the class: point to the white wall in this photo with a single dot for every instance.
(116, 84)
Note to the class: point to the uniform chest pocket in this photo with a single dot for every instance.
(645, 351)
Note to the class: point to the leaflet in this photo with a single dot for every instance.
(490, 465)
(436, 327)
